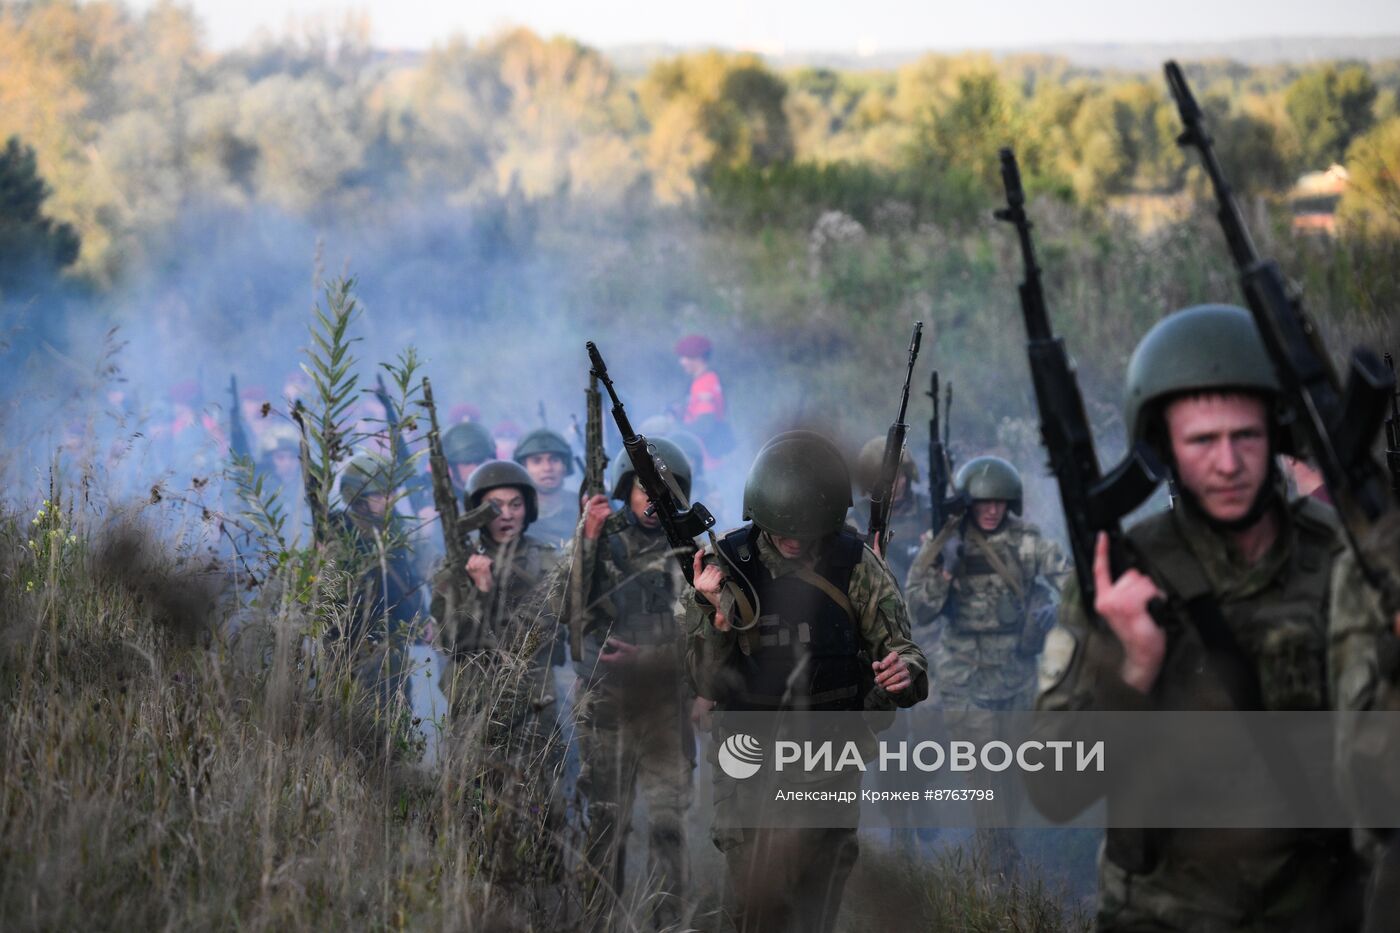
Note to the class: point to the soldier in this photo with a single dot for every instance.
(826, 598)
(909, 513)
(634, 722)
(1243, 576)
(990, 583)
(548, 458)
(467, 446)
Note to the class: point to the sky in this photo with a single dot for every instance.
(779, 26)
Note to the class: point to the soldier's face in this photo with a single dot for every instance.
(376, 503)
(988, 513)
(461, 472)
(547, 470)
(1221, 447)
(693, 365)
(508, 525)
(792, 548)
(639, 503)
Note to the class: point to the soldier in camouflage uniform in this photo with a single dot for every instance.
(549, 459)
(634, 723)
(1243, 579)
(990, 583)
(830, 608)
(506, 606)
(909, 515)
(1364, 672)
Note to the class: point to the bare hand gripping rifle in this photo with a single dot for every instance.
(1339, 424)
(877, 534)
(681, 521)
(1092, 501)
(456, 527)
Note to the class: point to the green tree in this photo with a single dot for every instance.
(1372, 199)
(30, 242)
(1330, 107)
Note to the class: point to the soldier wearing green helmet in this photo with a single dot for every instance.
(467, 446)
(389, 594)
(549, 459)
(634, 719)
(987, 586)
(1244, 576)
(909, 514)
(830, 633)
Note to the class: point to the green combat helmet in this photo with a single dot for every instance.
(798, 487)
(676, 461)
(990, 478)
(545, 441)
(872, 457)
(1200, 348)
(493, 474)
(468, 442)
(364, 476)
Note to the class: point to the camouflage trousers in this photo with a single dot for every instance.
(631, 743)
(979, 721)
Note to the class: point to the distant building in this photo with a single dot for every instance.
(1313, 200)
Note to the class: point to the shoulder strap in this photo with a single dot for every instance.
(1002, 570)
(812, 578)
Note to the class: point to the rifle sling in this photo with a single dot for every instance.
(999, 565)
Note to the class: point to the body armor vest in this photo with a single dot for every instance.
(646, 601)
(807, 652)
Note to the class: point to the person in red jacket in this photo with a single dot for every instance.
(704, 406)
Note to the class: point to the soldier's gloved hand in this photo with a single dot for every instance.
(1122, 603)
(951, 555)
(595, 512)
(479, 569)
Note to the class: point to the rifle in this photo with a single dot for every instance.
(877, 534)
(1338, 424)
(1392, 433)
(940, 459)
(595, 468)
(238, 446)
(1093, 502)
(682, 522)
(456, 527)
(413, 485)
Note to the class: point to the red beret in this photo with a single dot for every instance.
(693, 345)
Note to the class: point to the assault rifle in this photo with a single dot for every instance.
(456, 527)
(238, 446)
(1093, 502)
(1338, 424)
(681, 521)
(414, 484)
(940, 458)
(1392, 433)
(595, 466)
(877, 534)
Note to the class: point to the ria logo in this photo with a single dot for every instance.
(740, 756)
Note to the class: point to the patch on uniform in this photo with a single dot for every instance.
(1060, 646)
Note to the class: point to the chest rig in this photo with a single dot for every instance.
(806, 646)
(645, 600)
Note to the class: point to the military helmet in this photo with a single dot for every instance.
(872, 457)
(1199, 348)
(676, 461)
(363, 476)
(798, 487)
(468, 442)
(990, 478)
(545, 441)
(493, 474)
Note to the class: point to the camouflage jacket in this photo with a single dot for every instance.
(1364, 672)
(515, 614)
(1276, 612)
(875, 601)
(625, 585)
(986, 628)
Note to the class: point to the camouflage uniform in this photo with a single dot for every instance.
(792, 879)
(634, 722)
(1364, 673)
(1276, 611)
